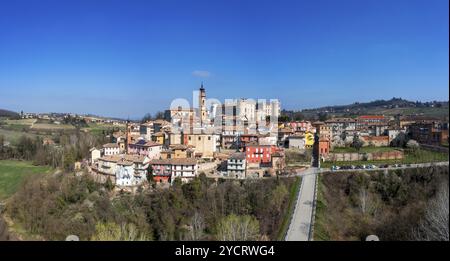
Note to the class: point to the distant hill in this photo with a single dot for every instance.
(394, 106)
(9, 114)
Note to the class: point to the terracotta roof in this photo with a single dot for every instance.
(148, 124)
(250, 135)
(237, 155)
(255, 144)
(123, 158)
(118, 134)
(144, 143)
(185, 161)
(286, 129)
(179, 146)
(110, 145)
(160, 121)
(340, 120)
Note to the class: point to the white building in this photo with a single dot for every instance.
(111, 149)
(297, 142)
(236, 165)
(267, 140)
(123, 170)
(95, 154)
(132, 170)
(393, 133)
(147, 130)
(253, 110)
(183, 168)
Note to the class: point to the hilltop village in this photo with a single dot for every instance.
(243, 139)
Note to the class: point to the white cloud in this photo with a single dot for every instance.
(202, 74)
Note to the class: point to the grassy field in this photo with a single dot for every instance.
(295, 157)
(290, 209)
(14, 136)
(320, 233)
(441, 113)
(51, 126)
(363, 149)
(419, 156)
(12, 173)
(98, 128)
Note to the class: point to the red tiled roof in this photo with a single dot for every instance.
(185, 161)
(110, 145)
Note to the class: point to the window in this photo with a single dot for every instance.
(199, 138)
(209, 137)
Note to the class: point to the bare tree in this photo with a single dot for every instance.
(363, 198)
(412, 145)
(197, 226)
(435, 226)
(238, 228)
(4, 233)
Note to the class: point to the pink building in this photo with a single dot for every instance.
(147, 148)
(300, 125)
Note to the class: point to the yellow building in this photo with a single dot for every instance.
(205, 144)
(159, 137)
(309, 139)
(178, 151)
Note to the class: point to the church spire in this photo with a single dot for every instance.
(201, 87)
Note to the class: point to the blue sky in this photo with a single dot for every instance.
(126, 58)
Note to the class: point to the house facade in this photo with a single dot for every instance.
(123, 170)
(255, 153)
(205, 144)
(236, 165)
(111, 149)
(146, 148)
(166, 170)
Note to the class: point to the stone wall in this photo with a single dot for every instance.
(396, 154)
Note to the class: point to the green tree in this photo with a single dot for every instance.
(323, 116)
(343, 136)
(2, 142)
(357, 143)
(109, 185)
(147, 117)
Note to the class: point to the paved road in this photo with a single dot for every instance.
(300, 226)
